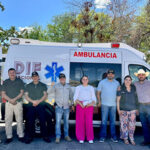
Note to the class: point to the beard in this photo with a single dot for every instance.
(110, 78)
(142, 79)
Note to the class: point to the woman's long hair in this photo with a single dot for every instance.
(123, 85)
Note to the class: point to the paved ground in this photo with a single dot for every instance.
(38, 144)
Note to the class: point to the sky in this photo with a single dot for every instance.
(24, 13)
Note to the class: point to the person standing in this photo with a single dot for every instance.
(63, 100)
(143, 92)
(12, 91)
(0, 89)
(84, 98)
(127, 106)
(0, 99)
(106, 95)
(36, 94)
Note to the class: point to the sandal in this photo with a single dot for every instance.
(126, 141)
(132, 142)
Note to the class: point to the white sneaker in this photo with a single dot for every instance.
(91, 141)
(81, 142)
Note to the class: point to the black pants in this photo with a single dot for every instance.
(50, 114)
(32, 113)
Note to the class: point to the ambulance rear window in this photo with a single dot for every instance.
(134, 68)
(95, 71)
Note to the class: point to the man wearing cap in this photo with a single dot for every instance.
(63, 101)
(12, 91)
(143, 92)
(106, 95)
(36, 94)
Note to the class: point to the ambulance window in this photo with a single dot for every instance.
(95, 72)
(134, 68)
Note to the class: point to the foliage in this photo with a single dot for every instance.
(119, 23)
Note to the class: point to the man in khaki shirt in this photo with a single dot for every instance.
(63, 99)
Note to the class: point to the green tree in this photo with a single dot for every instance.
(5, 35)
(2, 7)
(90, 26)
(141, 33)
(58, 31)
(36, 32)
(122, 13)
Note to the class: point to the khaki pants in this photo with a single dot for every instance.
(18, 111)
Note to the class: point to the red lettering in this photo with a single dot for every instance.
(95, 54)
(85, 54)
(103, 55)
(108, 55)
(89, 54)
(80, 54)
(114, 56)
(98, 54)
(75, 54)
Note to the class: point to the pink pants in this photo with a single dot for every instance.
(84, 123)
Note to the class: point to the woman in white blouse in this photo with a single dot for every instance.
(84, 98)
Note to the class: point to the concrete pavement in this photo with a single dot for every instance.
(39, 144)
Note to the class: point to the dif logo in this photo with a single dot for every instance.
(26, 68)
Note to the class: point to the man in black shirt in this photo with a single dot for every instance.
(12, 91)
(36, 94)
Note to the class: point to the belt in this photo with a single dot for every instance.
(145, 103)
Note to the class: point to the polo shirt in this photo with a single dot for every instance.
(108, 91)
(36, 91)
(12, 88)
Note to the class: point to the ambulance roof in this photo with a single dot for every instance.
(22, 41)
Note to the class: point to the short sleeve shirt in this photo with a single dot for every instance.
(108, 91)
(143, 91)
(13, 88)
(36, 91)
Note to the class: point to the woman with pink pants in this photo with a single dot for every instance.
(84, 98)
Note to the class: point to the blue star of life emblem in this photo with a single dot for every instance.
(53, 72)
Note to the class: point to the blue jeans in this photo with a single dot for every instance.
(108, 111)
(59, 113)
(145, 120)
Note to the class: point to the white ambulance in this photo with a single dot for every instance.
(73, 59)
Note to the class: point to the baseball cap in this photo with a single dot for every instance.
(35, 74)
(111, 71)
(61, 75)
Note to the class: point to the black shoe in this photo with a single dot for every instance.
(21, 139)
(145, 143)
(28, 140)
(8, 141)
(46, 139)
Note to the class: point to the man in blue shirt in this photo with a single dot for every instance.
(106, 95)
